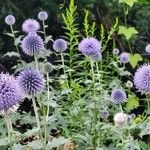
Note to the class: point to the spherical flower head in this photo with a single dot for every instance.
(31, 81)
(128, 147)
(120, 119)
(10, 20)
(129, 119)
(42, 15)
(124, 57)
(30, 25)
(97, 57)
(48, 67)
(10, 93)
(105, 114)
(32, 44)
(89, 46)
(129, 84)
(116, 51)
(60, 45)
(142, 79)
(147, 48)
(118, 96)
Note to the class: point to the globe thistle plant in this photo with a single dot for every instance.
(42, 15)
(90, 47)
(142, 79)
(32, 44)
(118, 96)
(120, 119)
(31, 81)
(10, 93)
(124, 57)
(147, 48)
(10, 20)
(30, 25)
(60, 45)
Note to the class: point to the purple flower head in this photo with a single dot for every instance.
(128, 147)
(118, 96)
(116, 51)
(10, 93)
(30, 25)
(31, 81)
(32, 44)
(147, 48)
(60, 45)
(10, 20)
(124, 57)
(97, 57)
(142, 79)
(89, 46)
(105, 114)
(42, 15)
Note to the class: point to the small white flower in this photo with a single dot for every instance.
(129, 84)
(120, 119)
(147, 48)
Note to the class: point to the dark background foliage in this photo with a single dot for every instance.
(101, 11)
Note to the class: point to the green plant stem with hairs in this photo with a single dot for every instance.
(46, 114)
(17, 48)
(64, 70)
(36, 62)
(44, 32)
(10, 129)
(36, 113)
(95, 109)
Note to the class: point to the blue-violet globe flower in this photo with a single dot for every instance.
(32, 44)
(124, 57)
(60, 45)
(42, 15)
(89, 46)
(118, 96)
(10, 20)
(142, 79)
(10, 93)
(30, 25)
(31, 81)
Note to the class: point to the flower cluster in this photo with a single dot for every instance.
(30, 25)
(42, 15)
(10, 20)
(31, 81)
(91, 47)
(124, 57)
(60, 45)
(120, 119)
(118, 96)
(10, 93)
(32, 44)
(142, 79)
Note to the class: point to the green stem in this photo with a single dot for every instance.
(17, 48)
(36, 113)
(97, 68)
(94, 98)
(44, 31)
(36, 62)
(10, 130)
(47, 113)
(120, 108)
(63, 64)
